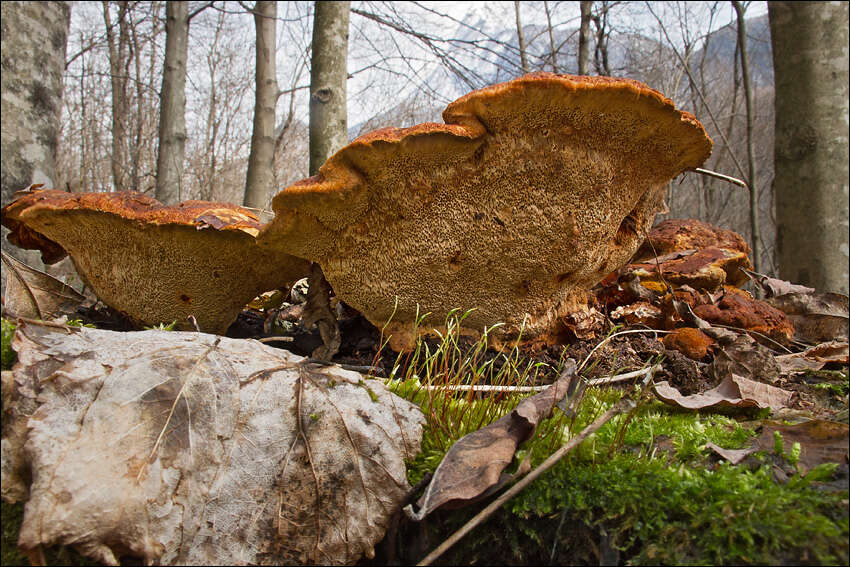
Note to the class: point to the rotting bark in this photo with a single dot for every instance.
(328, 133)
(260, 178)
(172, 114)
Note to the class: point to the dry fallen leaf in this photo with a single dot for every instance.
(773, 287)
(820, 441)
(34, 294)
(734, 456)
(734, 391)
(817, 317)
(475, 463)
(187, 448)
(816, 357)
(743, 356)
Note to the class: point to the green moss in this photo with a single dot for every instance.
(7, 355)
(657, 503)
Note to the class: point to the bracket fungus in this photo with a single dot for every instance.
(155, 263)
(531, 189)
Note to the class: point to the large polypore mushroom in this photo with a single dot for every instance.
(153, 262)
(531, 189)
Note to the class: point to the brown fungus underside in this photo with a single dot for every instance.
(532, 189)
(155, 263)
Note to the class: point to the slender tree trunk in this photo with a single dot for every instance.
(810, 54)
(118, 77)
(551, 36)
(584, 37)
(328, 76)
(328, 133)
(172, 111)
(260, 181)
(600, 54)
(752, 180)
(521, 39)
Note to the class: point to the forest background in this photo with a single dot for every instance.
(406, 61)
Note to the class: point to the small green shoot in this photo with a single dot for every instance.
(162, 327)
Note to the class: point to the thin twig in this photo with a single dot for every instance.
(732, 180)
(624, 405)
(528, 389)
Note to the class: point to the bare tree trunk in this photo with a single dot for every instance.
(260, 179)
(172, 112)
(584, 37)
(118, 76)
(600, 54)
(551, 36)
(328, 133)
(522, 55)
(328, 76)
(810, 53)
(752, 181)
(34, 35)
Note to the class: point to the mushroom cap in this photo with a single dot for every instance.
(532, 188)
(153, 262)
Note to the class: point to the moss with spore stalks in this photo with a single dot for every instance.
(643, 489)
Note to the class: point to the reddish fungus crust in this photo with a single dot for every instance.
(739, 309)
(532, 188)
(153, 262)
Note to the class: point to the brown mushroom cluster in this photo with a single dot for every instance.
(531, 192)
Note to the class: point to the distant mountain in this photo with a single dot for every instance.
(630, 55)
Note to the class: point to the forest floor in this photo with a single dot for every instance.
(649, 488)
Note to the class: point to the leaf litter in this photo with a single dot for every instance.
(187, 448)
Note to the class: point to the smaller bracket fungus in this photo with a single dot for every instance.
(531, 189)
(155, 263)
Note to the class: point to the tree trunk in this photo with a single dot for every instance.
(172, 111)
(328, 133)
(118, 76)
(328, 76)
(521, 39)
(810, 54)
(34, 35)
(260, 179)
(551, 36)
(584, 37)
(752, 181)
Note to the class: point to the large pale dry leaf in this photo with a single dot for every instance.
(475, 463)
(816, 357)
(817, 317)
(734, 391)
(34, 294)
(187, 448)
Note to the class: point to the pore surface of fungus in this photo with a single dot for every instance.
(153, 262)
(531, 188)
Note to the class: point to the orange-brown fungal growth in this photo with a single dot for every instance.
(532, 188)
(153, 262)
